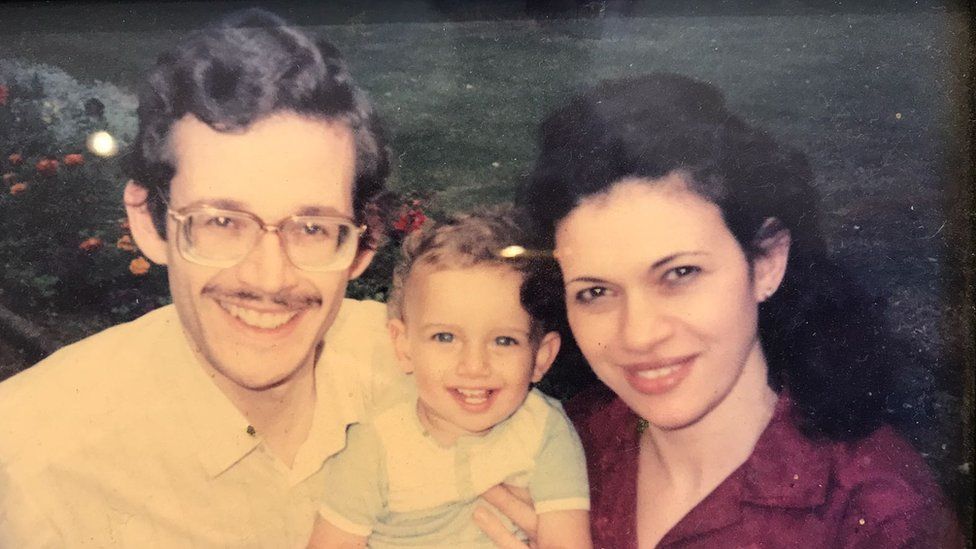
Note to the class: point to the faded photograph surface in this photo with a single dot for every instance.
(486, 274)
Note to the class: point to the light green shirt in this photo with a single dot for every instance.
(122, 440)
(397, 485)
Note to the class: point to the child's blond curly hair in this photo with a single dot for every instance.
(465, 240)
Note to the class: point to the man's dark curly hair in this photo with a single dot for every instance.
(243, 68)
(821, 334)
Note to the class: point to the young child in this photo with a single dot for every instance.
(412, 475)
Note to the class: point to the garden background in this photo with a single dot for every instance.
(877, 94)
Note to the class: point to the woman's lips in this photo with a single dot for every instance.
(659, 377)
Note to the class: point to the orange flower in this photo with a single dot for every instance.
(47, 166)
(9, 177)
(4, 94)
(18, 188)
(124, 224)
(139, 266)
(126, 243)
(90, 244)
(74, 160)
(15, 159)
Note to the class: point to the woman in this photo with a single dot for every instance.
(746, 372)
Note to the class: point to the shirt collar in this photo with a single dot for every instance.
(786, 469)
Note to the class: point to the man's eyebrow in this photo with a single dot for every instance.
(222, 203)
(320, 210)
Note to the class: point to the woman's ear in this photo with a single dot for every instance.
(136, 199)
(545, 354)
(398, 334)
(772, 243)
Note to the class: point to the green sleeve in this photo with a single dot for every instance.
(356, 485)
(559, 481)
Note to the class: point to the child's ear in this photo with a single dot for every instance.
(545, 354)
(398, 333)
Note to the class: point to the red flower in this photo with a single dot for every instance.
(410, 221)
(90, 244)
(47, 167)
(74, 160)
(139, 266)
(15, 159)
(18, 188)
(4, 94)
(125, 243)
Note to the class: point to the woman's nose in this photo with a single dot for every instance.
(645, 322)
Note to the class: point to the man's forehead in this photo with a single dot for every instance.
(283, 163)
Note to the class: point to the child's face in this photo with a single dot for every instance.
(465, 338)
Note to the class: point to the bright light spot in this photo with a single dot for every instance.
(102, 144)
(512, 251)
(897, 116)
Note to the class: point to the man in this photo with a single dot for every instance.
(206, 423)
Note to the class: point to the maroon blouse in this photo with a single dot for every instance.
(791, 492)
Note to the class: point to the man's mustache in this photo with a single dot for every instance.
(284, 299)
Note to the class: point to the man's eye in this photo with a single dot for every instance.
(681, 274)
(506, 341)
(443, 337)
(221, 221)
(315, 229)
(591, 294)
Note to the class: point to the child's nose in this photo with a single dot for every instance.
(474, 362)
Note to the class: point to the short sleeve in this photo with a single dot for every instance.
(558, 482)
(356, 483)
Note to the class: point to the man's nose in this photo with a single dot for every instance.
(266, 267)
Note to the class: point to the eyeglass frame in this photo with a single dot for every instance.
(182, 214)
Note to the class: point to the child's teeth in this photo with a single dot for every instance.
(474, 396)
(266, 321)
(657, 372)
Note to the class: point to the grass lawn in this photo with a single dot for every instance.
(872, 98)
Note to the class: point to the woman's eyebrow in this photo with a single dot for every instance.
(665, 260)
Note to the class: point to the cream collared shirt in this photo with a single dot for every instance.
(121, 440)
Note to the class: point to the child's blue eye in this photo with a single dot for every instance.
(443, 337)
(505, 341)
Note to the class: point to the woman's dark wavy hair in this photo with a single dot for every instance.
(243, 68)
(821, 334)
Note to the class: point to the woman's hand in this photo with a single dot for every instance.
(516, 504)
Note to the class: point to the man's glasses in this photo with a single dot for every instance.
(222, 238)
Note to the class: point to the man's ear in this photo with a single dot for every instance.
(769, 265)
(136, 199)
(363, 258)
(545, 354)
(398, 334)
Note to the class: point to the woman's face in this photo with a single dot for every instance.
(661, 298)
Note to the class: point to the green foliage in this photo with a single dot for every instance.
(60, 207)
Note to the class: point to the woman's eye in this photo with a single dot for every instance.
(681, 274)
(505, 341)
(443, 337)
(590, 295)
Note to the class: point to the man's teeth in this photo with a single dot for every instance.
(257, 319)
(657, 372)
(474, 396)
